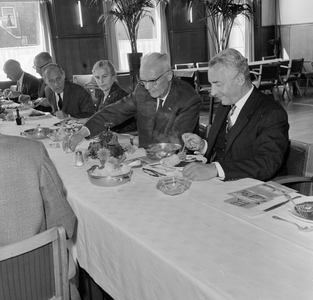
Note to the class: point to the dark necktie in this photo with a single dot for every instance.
(160, 105)
(229, 122)
(60, 102)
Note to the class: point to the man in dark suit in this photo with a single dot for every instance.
(164, 107)
(249, 135)
(40, 61)
(66, 98)
(26, 83)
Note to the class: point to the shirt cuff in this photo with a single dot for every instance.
(220, 171)
(85, 131)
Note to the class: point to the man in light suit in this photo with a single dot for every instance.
(249, 135)
(164, 107)
(27, 84)
(64, 97)
(32, 196)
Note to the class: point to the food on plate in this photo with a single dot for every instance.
(170, 161)
(305, 210)
(110, 169)
(36, 113)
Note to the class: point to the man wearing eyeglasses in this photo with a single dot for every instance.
(26, 84)
(66, 98)
(165, 107)
(40, 61)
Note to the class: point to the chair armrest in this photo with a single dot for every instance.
(292, 179)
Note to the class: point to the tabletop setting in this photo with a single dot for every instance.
(130, 202)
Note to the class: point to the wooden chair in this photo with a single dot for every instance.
(308, 74)
(35, 268)
(294, 71)
(191, 80)
(268, 78)
(269, 57)
(297, 170)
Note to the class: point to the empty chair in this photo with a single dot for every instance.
(268, 78)
(308, 74)
(294, 71)
(35, 268)
(184, 66)
(189, 77)
(297, 170)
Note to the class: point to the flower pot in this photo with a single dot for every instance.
(134, 62)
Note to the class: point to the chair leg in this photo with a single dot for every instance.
(306, 85)
(298, 88)
(275, 92)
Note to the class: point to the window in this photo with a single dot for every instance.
(148, 38)
(19, 34)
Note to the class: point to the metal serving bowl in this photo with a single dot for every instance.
(38, 133)
(161, 150)
(108, 181)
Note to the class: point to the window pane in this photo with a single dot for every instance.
(19, 34)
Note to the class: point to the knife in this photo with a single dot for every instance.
(277, 205)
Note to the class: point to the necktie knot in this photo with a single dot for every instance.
(229, 121)
(160, 104)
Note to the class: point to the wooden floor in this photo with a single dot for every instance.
(300, 116)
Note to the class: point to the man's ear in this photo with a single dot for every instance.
(241, 79)
(170, 75)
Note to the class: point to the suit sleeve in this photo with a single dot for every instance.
(263, 156)
(115, 113)
(57, 208)
(86, 106)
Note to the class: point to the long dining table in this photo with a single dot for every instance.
(140, 244)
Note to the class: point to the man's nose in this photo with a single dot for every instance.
(213, 91)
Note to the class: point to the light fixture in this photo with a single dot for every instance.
(80, 14)
(190, 14)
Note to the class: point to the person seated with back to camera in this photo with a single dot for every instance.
(67, 99)
(29, 207)
(104, 74)
(249, 135)
(165, 107)
(26, 84)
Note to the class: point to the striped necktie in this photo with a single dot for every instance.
(229, 122)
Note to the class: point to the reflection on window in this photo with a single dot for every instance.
(148, 39)
(19, 34)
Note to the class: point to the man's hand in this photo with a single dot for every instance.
(61, 115)
(76, 138)
(193, 142)
(42, 102)
(199, 171)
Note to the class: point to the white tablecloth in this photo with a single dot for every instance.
(138, 243)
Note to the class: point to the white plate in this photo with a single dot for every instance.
(294, 214)
(46, 114)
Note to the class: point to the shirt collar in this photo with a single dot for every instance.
(239, 104)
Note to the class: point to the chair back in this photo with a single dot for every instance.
(299, 162)
(202, 64)
(184, 66)
(268, 76)
(269, 57)
(296, 67)
(35, 268)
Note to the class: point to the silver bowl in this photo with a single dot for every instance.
(161, 150)
(38, 133)
(108, 181)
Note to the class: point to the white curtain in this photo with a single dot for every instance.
(164, 47)
(249, 36)
(111, 41)
(45, 31)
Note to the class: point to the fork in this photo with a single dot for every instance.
(301, 228)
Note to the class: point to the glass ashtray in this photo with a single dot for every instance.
(173, 185)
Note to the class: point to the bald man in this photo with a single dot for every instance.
(165, 107)
(26, 83)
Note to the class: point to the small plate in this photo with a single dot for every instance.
(293, 213)
(191, 158)
(45, 114)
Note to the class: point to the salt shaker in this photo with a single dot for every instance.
(79, 160)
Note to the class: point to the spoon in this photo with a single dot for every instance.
(301, 228)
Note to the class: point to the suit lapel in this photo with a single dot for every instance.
(243, 118)
(66, 93)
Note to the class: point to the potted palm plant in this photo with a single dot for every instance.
(130, 13)
(219, 17)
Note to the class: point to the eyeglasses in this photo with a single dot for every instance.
(38, 68)
(152, 82)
